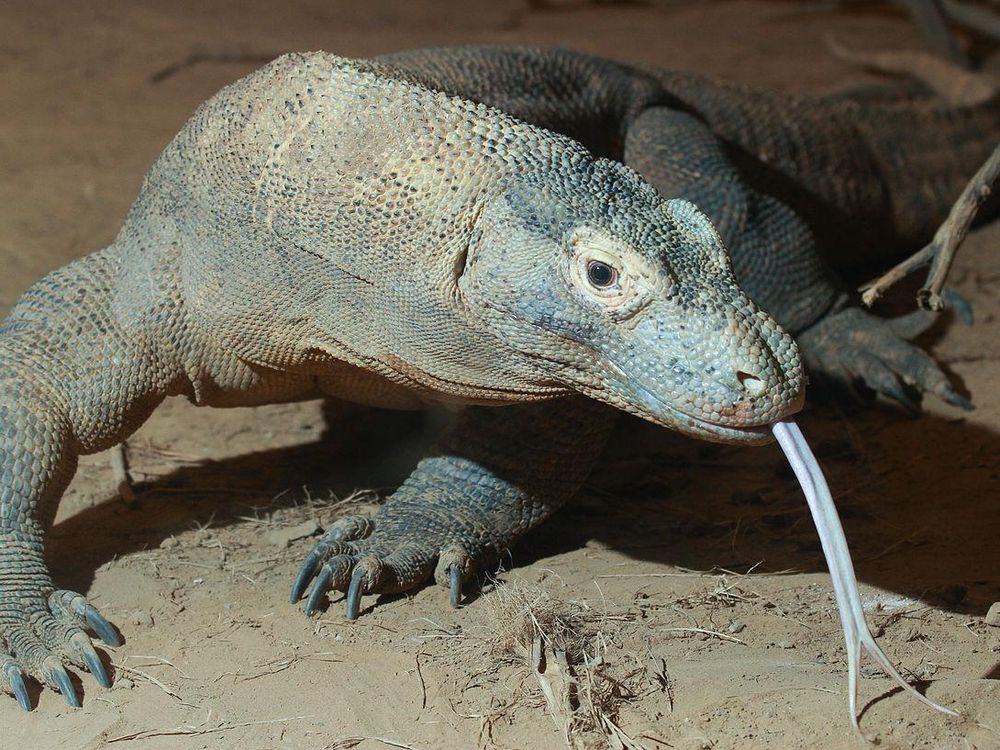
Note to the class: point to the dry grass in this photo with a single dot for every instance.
(564, 649)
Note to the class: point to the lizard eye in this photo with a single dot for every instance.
(601, 275)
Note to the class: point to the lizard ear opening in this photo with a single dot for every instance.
(462, 262)
(460, 266)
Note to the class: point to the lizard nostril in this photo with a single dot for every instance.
(753, 385)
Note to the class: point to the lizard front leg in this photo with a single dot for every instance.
(777, 260)
(72, 381)
(498, 473)
(41, 627)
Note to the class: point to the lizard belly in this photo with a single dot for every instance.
(243, 383)
(351, 383)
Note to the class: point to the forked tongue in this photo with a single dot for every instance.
(838, 559)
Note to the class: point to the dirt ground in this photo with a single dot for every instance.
(690, 574)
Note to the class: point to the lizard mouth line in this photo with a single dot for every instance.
(674, 418)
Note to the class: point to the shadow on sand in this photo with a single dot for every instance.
(918, 498)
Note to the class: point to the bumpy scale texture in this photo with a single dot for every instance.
(412, 231)
(796, 186)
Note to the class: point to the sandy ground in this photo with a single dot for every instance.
(672, 537)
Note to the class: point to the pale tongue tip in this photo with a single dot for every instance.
(838, 560)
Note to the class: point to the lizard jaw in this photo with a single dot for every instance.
(659, 412)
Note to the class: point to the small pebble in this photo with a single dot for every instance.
(786, 644)
(993, 616)
(736, 626)
(142, 617)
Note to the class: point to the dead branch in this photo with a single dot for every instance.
(940, 252)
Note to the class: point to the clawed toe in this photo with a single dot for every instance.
(104, 629)
(354, 593)
(376, 564)
(310, 566)
(955, 398)
(332, 574)
(15, 680)
(455, 566)
(51, 636)
(320, 587)
(455, 586)
(58, 675)
(91, 659)
(852, 346)
(72, 608)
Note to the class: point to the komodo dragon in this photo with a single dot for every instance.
(348, 228)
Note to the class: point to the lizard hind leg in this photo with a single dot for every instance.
(852, 346)
(426, 521)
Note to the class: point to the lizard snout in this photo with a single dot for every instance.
(751, 396)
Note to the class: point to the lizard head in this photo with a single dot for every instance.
(608, 289)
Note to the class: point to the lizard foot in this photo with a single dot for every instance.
(852, 346)
(497, 474)
(359, 556)
(38, 636)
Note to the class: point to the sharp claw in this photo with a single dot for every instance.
(354, 593)
(61, 677)
(95, 666)
(958, 303)
(455, 576)
(16, 680)
(320, 587)
(104, 629)
(306, 573)
(954, 398)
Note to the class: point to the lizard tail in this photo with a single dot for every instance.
(956, 86)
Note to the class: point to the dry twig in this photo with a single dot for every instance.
(345, 743)
(121, 474)
(193, 731)
(563, 648)
(940, 253)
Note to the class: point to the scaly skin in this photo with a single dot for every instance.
(333, 227)
(797, 186)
